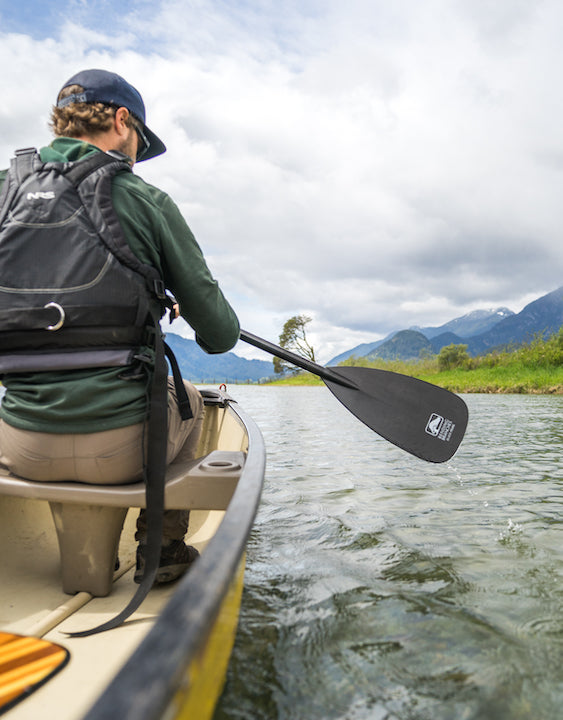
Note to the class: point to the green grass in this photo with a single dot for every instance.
(302, 378)
(536, 367)
(499, 379)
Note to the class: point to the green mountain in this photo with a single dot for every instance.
(404, 345)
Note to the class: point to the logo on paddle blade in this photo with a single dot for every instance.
(439, 427)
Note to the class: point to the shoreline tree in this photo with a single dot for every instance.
(294, 338)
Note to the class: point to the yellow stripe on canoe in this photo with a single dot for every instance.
(206, 675)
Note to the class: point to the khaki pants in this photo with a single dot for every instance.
(110, 457)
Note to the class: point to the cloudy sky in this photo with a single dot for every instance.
(373, 164)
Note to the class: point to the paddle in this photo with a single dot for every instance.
(26, 663)
(423, 419)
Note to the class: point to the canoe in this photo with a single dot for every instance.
(169, 659)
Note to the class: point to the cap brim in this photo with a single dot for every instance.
(156, 146)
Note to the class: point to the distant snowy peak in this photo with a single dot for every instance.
(482, 314)
(473, 323)
(499, 313)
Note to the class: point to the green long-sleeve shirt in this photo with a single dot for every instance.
(94, 400)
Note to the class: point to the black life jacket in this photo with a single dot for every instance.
(73, 295)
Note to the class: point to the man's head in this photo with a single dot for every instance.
(96, 102)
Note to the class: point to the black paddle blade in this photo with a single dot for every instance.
(423, 419)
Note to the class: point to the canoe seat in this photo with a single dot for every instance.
(89, 518)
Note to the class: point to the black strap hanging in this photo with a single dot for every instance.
(181, 393)
(154, 481)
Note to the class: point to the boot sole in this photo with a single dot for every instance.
(165, 574)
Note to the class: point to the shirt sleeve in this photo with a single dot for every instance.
(186, 274)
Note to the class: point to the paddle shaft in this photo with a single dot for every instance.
(303, 363)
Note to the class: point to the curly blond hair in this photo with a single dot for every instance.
(82, 119)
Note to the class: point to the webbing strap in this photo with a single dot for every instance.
(154, 486)
(24, 362)
(23, 164)
(181, 392)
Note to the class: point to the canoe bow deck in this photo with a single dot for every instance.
(169, 659)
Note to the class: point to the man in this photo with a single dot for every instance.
(88, 424)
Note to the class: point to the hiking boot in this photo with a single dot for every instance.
(175, 559)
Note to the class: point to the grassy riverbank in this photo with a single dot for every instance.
(536, 367)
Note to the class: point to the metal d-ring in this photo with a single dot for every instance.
(58, 324)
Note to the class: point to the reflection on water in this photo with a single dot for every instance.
(382, 587)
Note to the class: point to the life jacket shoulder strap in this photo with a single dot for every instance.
(22, 165)
(92, 178)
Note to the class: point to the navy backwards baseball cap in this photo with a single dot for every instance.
(111, 89)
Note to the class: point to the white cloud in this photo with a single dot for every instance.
(379, 164)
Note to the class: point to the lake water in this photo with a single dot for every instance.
(382, 587)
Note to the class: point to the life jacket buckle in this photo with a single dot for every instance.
(25, 151)
(159, 289)
(139, 365)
